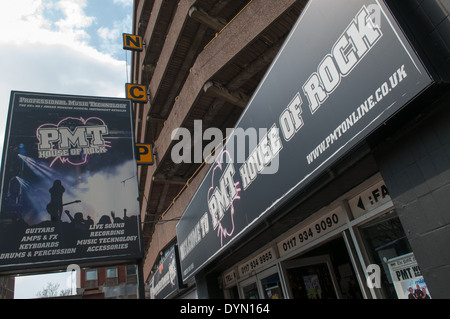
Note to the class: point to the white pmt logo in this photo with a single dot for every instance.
(66, 137)
(72, 140)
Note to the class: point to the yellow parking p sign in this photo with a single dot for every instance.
(132, 42)
(144, 154)
(136, 92)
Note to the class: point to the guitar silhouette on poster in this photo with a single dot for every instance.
(55, 207)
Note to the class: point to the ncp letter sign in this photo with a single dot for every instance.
(136, 92)
(144, 154)
(132, 42)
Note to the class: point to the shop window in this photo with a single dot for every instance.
(384, 238)
(131, 274)
(271, 286)
(111, 273)
(323, 273)
(91, 279)
(250, 291)
(311, 281)
(232, 293)
(131, 270)
(111, 277)
(266, 285)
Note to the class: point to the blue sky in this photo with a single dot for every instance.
(64, 47)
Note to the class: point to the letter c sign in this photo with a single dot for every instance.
(136, 92)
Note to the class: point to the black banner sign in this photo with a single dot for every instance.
(69, 191)
(342, 72)
(167, 280)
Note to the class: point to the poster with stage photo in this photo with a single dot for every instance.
(407, 278)
(69, 190)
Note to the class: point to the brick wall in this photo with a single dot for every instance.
(415, 164)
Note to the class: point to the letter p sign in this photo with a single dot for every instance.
(144, 154)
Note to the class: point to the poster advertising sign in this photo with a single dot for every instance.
(407, 278)
(69, 191)
(342, 72)
(312, 285)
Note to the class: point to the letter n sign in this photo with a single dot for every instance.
(144, 154)
(136, 92)
(132, 42)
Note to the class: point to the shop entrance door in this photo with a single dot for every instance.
(311, 278)
(265, 285)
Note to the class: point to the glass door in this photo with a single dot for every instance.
(249, 289)
(271, 284)
(265, 285)
(311, 278)
(384, 238)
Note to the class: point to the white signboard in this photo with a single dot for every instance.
(312, 231)
(257, 262)
(407, 278)
(370, 199)
(230, 278)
